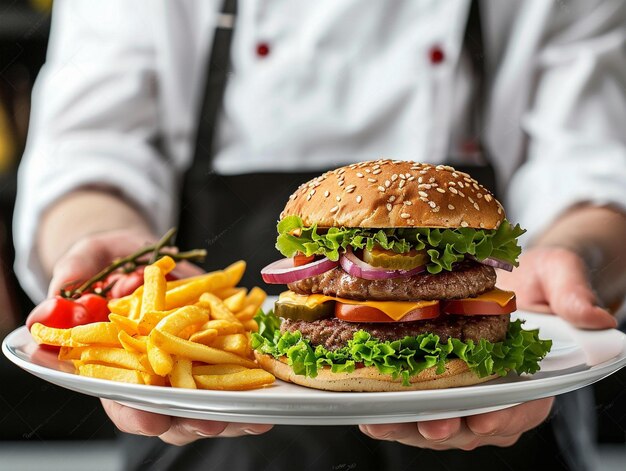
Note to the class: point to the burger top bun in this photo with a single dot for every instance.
(392, 193)
(370, 379)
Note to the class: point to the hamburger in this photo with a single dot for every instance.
(390, 270)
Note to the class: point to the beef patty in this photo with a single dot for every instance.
(334, 333)
(468, 279)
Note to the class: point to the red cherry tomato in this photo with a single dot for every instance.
(300, 259)
(57, 312)
(477, 308)
(96, 309)
(363, 313)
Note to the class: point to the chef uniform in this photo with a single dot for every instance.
(315, 85)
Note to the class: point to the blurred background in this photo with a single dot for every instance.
(46, 427)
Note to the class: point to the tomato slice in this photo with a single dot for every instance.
(363, 313)
(469, 307)
(300, 259)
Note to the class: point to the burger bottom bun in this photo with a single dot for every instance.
(369, 379)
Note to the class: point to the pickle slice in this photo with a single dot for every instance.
(378, 257)
(304, 313)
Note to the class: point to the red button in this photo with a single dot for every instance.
(262, 49)
(436, 55)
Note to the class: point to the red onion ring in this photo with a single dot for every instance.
(282, 271)
(494, 262)
(357, 267)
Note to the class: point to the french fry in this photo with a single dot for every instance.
(247, 313)
(225, 293)
(124, 323)
(235, 272)
(180, 376)
(98, 333)
(224, 327)
(242, 380)
(70, 353)
(135, 304)
(190, 292)
(236, 301)
(120, 306)
(154, 287)
(166, 264)
(205, 337)
(256, 298)
(235, 343)
(153, 380)
(150, 319)
(217, 369)
(218, 309)
(251, 325)
(52, 336)
(117, 357)
(111, 372)
(182, 318)
(160, 361)
(130, 343)
(194, 351)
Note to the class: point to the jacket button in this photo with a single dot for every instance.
(262, 49)
(436, 55)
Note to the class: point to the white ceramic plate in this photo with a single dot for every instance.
(578, 358)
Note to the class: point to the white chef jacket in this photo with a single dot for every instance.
(321, 84)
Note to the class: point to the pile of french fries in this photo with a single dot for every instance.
(188, 333)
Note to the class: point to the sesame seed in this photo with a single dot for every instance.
(312, 192)
(432, 204)
(381, 189)
(359, 174)
(476, 206)
(425, 186)
(376, 172)
(401, 184)
(407, 174)
(338, 198)
(405, 215)
(420, 179)
(436, 209)
(464, 224)
(410, 179)
(455, 175)
(462, 194)
(402, 176)
(340, 183)
(376, 167)
(451, 207)
(451, 183)
(431, 180)
(470, 199)
(479, 195)
(422, 193)
(453, 190)
(327, 193)
(371, 180)
(488, 198)
(292, 196)
(350, 188)
(441, 190)
(499, 210)
(389, 207)
(425, 200)
(367, 170)
(387, 183)
(481, 225)
(467, 179)
(461, 185)
(340, 171)
(334, 209)
(476, 187)
(359, 198)
(408, 203)
(423, 172)
(394, 177)
(392, 198)
(308, 197)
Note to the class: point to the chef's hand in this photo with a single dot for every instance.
(549, 279)
(88, 256)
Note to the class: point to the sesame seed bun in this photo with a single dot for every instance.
(371, 380)
(388, 194)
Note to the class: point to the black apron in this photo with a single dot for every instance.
(235, 217)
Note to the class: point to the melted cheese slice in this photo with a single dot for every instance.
(394, 309)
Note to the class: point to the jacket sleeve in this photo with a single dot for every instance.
(94, 122)
(576, 125)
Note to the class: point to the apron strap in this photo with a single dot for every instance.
(215, 80)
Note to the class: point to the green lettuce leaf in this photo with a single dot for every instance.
(521, 351)
(443, 246)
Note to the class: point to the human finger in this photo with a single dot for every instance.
(511, 421)
(135, 421)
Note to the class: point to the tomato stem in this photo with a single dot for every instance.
(134, 260)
